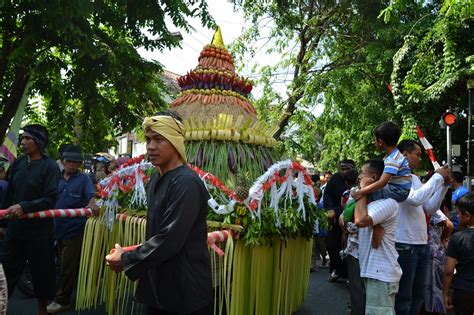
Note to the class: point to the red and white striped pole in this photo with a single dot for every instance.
(428, 147)
(212, 237)
(52, 213)
(218, 237)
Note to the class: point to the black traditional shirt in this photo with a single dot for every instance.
(33, 185)
(173, 265)
(335, 187)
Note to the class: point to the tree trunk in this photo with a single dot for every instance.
(7, 24)
(12, 100)
(309, 37)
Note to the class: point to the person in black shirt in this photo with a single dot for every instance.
(460, 255)
(173, 265)
(332, 203)
(32, 187)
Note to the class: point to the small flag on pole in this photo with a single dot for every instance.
(10, 143)
(428, 147)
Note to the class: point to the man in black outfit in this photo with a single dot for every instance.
(173, 265)
(332, 202)
(32, 187)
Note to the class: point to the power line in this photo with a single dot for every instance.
(206, 38)
(186, 44)
(283, 72)
(197, 31)
(200, 42)
(230, 22)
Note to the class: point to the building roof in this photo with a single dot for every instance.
(170, 79)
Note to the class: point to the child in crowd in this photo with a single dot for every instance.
(395, 181)
(348, 204)
(378, 262)
(439, 229)
(460, 255)
(319, 234)
(319, 246)
(351, 256)
(458, 191)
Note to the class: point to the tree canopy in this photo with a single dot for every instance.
(82, 61)
(430, 72)
(347, 58)
(359, 62)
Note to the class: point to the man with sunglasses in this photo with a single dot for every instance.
(32, 187)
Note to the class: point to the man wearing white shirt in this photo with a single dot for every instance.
(412, 236)
(378, 266)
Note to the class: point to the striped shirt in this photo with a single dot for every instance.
(397, 166)
(380, 263)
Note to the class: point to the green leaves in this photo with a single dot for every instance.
(431, 68)
(349, 70)
(262, 232)
(386, 14)
(82, 59)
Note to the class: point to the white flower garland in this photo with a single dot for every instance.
(294, 178)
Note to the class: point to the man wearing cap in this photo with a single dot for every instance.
(75, 190)
(32, 187)
(173, 264)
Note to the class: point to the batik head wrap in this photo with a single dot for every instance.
(170, 128)
(39, 133)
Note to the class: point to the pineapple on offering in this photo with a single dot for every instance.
(242, 188)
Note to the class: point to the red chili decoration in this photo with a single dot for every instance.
(214, 181)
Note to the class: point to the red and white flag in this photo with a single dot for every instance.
(428, 147)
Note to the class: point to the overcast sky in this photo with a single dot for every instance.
(182, 59)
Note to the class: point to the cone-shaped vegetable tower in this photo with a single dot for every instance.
(267, 271)
(223, 133)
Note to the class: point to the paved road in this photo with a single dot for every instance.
(323, 298)
(20, 304)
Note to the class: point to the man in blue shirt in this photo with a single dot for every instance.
(75, 190)
(458, 192)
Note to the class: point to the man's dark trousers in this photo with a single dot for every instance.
(413, 260)
(70, 255)
(334, 246)
(356, 286)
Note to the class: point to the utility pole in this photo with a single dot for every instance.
(470, 88)
(449, 147)
(449, 120)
